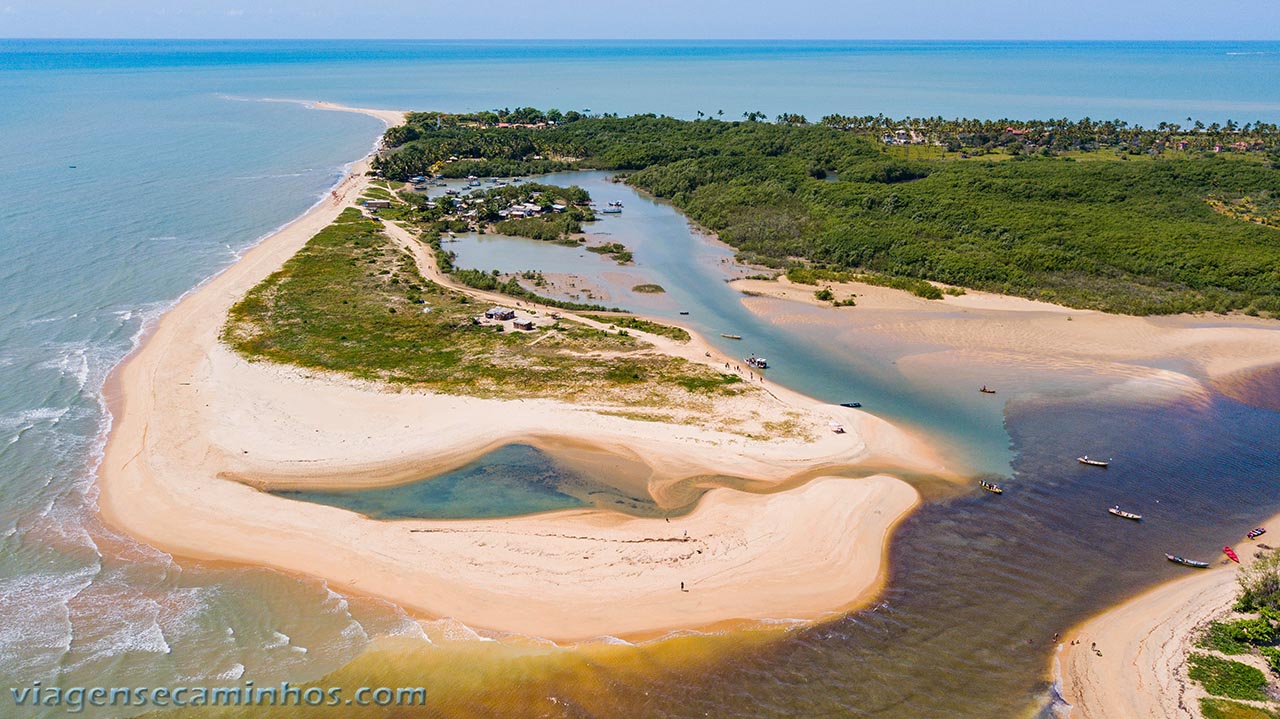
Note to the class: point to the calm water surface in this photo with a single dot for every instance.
(137, 169)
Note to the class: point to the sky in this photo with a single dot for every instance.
(645, 19)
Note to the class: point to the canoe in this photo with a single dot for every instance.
(991, 487)
(1255, 533)
(854, 405)
(731, 337)
(1125, 515)
(1092, 462)
(1231, 554)
(1186, 562)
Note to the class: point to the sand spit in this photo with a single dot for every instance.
(198, 432)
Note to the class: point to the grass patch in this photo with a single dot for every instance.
(352, 302)
(1224, 709)
(1237, 636)
(1227, 678)
(616, 250)
(649, 289)
(635, 323)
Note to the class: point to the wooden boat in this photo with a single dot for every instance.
(1186, 562)
(1125, 515)
(991, 487)
(731, 337)
(854, 405)
(1231, 554)
(757, 362)
(986, 390)
(1255, 533)
(1092, 462)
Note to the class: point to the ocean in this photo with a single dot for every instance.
(137, 169)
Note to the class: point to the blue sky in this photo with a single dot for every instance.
(746, 19)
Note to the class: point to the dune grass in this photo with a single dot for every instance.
(352, 302)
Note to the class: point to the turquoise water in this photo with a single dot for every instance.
(510, 481)
(178, 167)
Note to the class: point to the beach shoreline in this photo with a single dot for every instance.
(987, 327)
(199, 432)
(1144, 643)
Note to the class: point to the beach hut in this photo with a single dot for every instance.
(500, 313)
(526, 325)
(377, 204)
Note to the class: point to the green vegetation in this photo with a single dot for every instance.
(1260, 584)
(351, 301)
(825, 295)
(1272, 657)
(1046, 210)
(1224, 709)
(812, 276)
(649, 289)
(1226, 678)
(635, 323)
(492, 282)
(549, 228)
(616, 250)
(1236, 637)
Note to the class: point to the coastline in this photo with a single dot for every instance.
(982, 327)
(198, 431)
(1144, 643)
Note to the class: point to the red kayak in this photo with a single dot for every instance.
(1231, 554)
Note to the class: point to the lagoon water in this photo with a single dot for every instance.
(135, 170)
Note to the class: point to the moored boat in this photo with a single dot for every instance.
(854, 405)
(991, 487)
(1255, 533)
(1231, 554)
(1186, 562)
(757, 362)
(731, 337)
(1125, 515)
(1093, 462)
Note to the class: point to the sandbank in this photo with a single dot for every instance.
(1000, 328)
(198, 432)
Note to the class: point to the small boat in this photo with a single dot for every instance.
(1186, 562)
(1255, 533)
(991, 487)
(1231, 554)
(1125, 515)
(1092, 462)
(986, 390)
(684, 312)
(757, 362)
(616, 204)
(611, 211)
(854, 405)
(731, 337)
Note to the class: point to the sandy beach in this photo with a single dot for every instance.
(1144, 643)
(993, 329)
(198, 432)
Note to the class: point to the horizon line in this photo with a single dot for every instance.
(642, 40)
